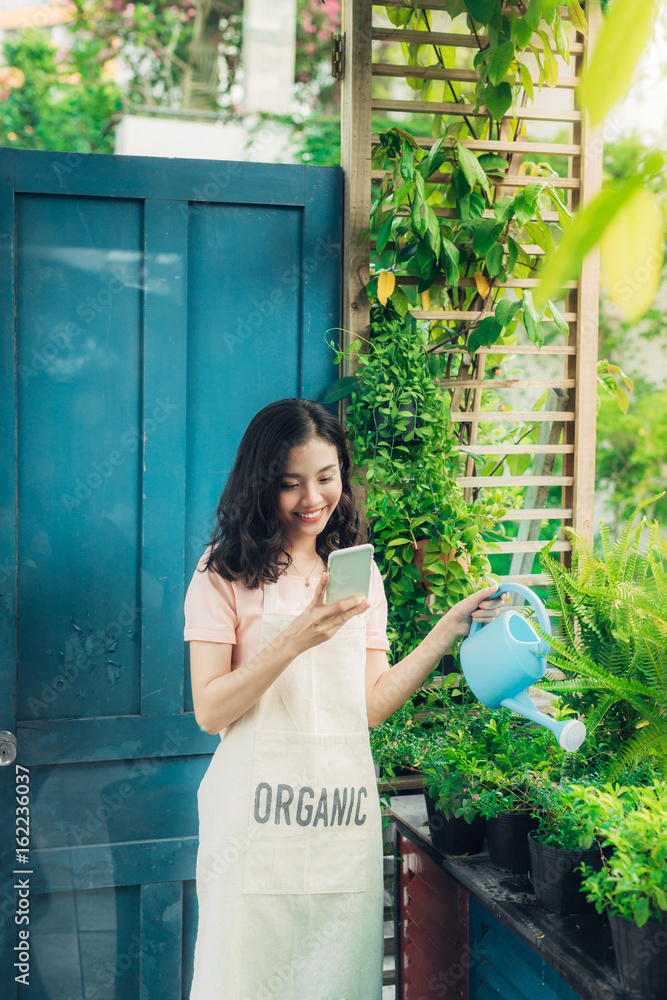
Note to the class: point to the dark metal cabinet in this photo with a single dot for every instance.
(466, 931)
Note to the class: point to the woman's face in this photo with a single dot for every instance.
(310, 489)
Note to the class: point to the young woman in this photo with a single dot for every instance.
(289, 867)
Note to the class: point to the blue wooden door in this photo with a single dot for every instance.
(149, 308)
(502, 967)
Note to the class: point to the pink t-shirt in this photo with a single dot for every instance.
(219, 610)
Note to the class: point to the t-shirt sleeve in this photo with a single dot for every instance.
(210, 607)
(376, 623)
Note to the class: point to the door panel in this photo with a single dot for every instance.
(150, 308)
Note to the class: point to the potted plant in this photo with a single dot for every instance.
(566, 837)
(632, 884)
(518, 756)
(399, 744)
(612, 639)
(487, 763)
(451, 792)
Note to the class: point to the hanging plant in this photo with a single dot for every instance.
(397, 422)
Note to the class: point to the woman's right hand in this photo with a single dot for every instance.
(319, 621)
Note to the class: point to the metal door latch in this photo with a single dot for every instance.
(7, 747)
(337, 56)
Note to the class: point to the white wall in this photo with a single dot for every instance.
(139, 135)
(269, 45)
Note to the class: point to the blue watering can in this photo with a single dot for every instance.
(502, 659)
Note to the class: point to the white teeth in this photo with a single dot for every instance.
(309, 517)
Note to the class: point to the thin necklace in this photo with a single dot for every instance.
(301, 574)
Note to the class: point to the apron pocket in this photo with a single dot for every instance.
(313, 813)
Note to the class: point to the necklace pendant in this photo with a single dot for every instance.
(308, 583)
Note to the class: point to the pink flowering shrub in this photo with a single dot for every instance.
(316, 20)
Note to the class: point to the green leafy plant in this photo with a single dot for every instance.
(397, 423)
(571, 818)
(504, 32)
(50, 100)
(69, 99)
(483, 243)
(446, 760)
(172, 50)
(633, 881)
(474, 760)
(488, 762)
(517, 757)
(563, 822)
(612, 639)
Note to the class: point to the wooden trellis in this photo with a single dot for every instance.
(568, 418)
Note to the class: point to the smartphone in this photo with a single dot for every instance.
(350, 571)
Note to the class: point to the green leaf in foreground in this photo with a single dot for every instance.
(500, 62)
(585, 232)
(498, 100)
(506, 311)
(481, 10)
(486, 333)
(631, 254)
(472, 170)
(622, 39)
(493, 163)
(577, 16)
(341, 388)
(526, 81)
(532, 318)
(521, 31)
(557, 318)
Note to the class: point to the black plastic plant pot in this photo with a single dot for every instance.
(555, 879)
(381, 423)
(508, 841)
(454, 836)
(641, 956)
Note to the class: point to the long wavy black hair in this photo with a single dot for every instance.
(247, 541)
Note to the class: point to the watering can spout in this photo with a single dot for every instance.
(570, 733)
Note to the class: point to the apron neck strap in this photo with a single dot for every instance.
(270, 598)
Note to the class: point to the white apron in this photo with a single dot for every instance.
(289, 865)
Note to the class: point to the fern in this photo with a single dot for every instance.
(648, 740)
(611, 639)
(599, 712)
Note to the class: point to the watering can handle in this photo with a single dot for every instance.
(534, 601)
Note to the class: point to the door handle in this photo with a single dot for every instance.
(7, 747)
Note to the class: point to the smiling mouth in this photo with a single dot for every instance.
(309, 515)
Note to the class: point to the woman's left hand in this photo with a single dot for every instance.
(480, 607)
